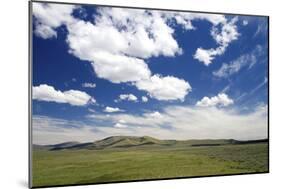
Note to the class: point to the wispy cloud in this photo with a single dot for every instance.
(259, 86)
(262, 27)
(48, 130)
(245, 60)
(188, 122)
(225, 89)
(184, 122)
(252, 91)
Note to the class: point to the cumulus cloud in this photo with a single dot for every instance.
(144, 98)
(120, 68)
(89, 85)
(48, 93)
(117, 43)
(49, 17)
(146, 33)
(206, 56)
(227, 34)
(245, 60)
(221, 100)
(117, 54)
(129, 97)
(119, 40)
(109, 109)
(223, 36)
(45, 31)
(165, 88)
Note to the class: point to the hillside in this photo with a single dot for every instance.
(133, 141)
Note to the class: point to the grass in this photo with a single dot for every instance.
(67, 167)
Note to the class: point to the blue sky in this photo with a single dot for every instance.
(101, 71)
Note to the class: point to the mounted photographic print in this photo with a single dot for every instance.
(120, 94)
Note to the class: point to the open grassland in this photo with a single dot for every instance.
(82, 166)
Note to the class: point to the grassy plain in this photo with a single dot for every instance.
(82, 166)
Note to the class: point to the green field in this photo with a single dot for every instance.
(150, 161)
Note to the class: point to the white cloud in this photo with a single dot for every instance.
(117, 54)
(102, 45)
(91, 110)
(185, 19)
(206, 56)
(155, 115)
(184, 122)
(49, 17)
(112, 109)
(129, 97)
(245, 22)
(223, 36)
(236, 65)
(119, 40)
(221, 100)
(48, 93)
(165, 88)
(122, 121)
(227, 34)
(121, 124)
(119, 68)
(176, 122)
(48, 130)
(45, 31)
(146, 33)
(144, 98)
(89, 85)
(93, 101)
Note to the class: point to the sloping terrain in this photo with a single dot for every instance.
(133, 141)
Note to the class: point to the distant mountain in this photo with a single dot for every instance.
(40, 147)
(133, 141)
(63, 145)
(55, 146)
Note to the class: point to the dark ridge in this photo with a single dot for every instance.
(251, 141)
(65, 144)
(75, 146)
(134, 141)
(198, 145)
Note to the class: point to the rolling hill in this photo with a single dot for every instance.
(133, 141)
